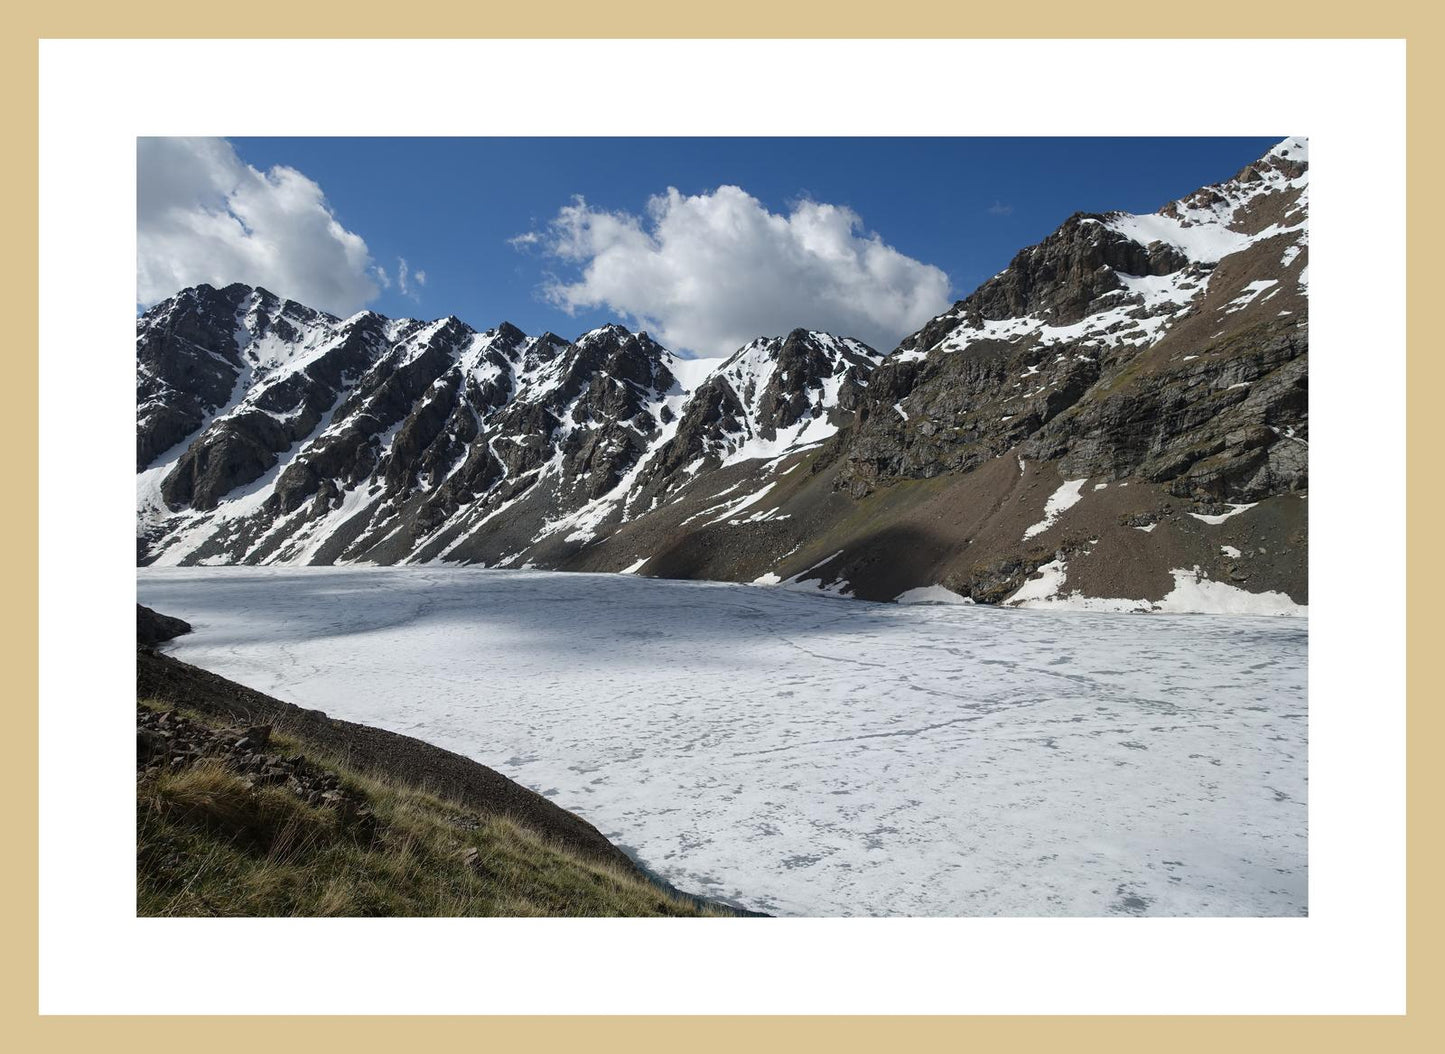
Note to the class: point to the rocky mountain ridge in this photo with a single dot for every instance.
(304, 434)
(1118, 419)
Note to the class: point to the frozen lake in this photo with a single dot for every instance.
(804, 755)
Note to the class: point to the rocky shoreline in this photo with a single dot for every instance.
(168, 741)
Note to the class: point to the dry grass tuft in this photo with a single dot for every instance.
(210, 844)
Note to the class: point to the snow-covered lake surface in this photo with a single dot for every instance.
(804, 755)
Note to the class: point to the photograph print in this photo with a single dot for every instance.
(722, 527)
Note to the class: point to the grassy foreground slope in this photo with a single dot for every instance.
(210, 842)
(247, 806)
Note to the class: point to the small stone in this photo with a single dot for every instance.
(147, 744)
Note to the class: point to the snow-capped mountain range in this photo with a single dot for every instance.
(1128, 373)
(265, 427)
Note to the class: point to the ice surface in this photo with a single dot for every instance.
(802, 755)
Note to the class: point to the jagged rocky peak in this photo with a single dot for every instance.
(1282, 169)
(1105, 275)
(1168, 344)
(262, 313)
(1266, 198)
(773, 388)
(1099, 261)
(206, 302)
(319, 435)
(330, 437)
(774, 395)
(1060, 278)
(779, 380)
(196, 351)
(633, 358)
(506, 335)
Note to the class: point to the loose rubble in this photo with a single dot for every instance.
(167, 741)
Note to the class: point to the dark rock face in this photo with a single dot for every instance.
(1060, 278)
(187, 364)
(152, 628)
(713, 412)
(233, 453)
(1228, 427)
(193, 351)
(802, 365)
(1205, 434)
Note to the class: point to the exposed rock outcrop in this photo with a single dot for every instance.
(152, 628)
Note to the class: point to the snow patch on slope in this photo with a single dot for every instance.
(931, 595)
(1218, 518)
(1194, 593)
(1060, 501)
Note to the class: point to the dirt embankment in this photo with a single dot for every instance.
(387, 756)
(373, 751)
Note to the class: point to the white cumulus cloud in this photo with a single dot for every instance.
(709, 272)
(205, 215)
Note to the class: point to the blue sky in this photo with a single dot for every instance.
(951, 210)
